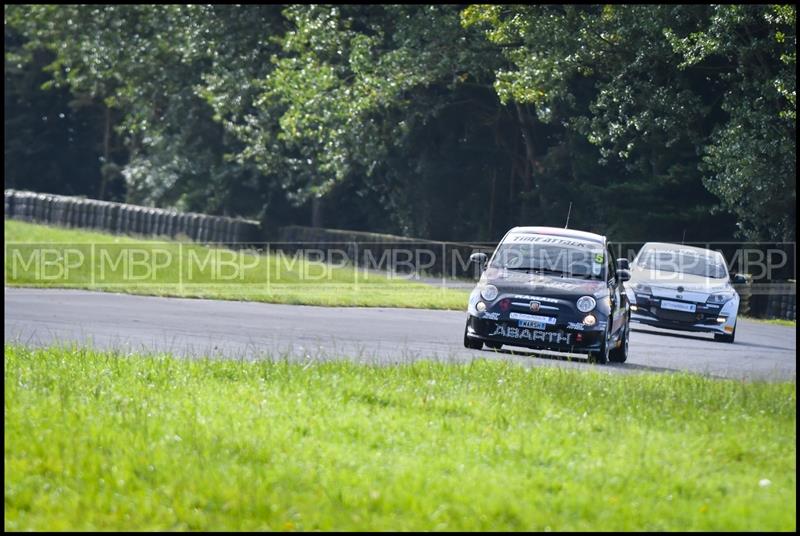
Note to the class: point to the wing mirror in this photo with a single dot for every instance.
(623, 275)
(623, 264)
(479, 259)
(739, 279)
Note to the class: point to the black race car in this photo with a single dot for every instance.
(554, 289)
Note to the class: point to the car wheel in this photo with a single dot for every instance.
(601, 357)
(726, 338)
(620, 354)
(473, 344)
(493, 345)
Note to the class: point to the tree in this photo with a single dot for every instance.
(429, 120)
(622, 76)
(149, 66)
(751, 157)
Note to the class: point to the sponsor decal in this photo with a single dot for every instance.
(575, 325)
(540, 239)
(545, 283)
(533, 335)
(491, 316)
(537, 298)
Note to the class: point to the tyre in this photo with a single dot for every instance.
(493, 345)
(726, 338)
(472, 344)
(601, 356)
(620, 353)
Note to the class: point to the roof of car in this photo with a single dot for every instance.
(558, 231)
(666, 246)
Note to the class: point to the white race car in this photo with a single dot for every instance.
(685, 288)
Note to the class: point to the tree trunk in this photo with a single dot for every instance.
(491, 204)
(532, 164)
(529, 148)
(316, 211)
(105, 170)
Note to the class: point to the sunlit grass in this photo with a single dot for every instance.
(774, 321)
(99, 261)
(98, 441)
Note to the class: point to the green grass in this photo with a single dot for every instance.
(96, 441)
(98, 261)
(774, 321)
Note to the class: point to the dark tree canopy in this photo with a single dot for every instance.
(439, 121)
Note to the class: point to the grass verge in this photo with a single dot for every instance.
(774, 321)
(97, 441)
(46, 256)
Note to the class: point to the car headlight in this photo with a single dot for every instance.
(586, 304)
(721, 297)
(489, 292)
(642, 289)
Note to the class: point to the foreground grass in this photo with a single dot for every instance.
(101, 441)
(99, 261)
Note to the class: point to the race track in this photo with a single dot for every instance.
(193, 328)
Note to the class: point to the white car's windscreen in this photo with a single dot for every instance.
(684, 262)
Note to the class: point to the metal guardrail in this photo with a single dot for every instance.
(393, 253)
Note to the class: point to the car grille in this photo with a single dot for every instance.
(675, 316)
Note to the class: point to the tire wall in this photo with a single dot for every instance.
(122, 218)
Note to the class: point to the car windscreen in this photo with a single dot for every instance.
(550, 255)
(684, 262)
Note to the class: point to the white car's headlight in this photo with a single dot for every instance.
(642, 289)
(489, 292)
(721, 297)
(586, 304)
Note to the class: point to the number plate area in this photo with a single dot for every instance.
(678, 306)
(532, 321)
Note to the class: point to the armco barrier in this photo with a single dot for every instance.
(122, 218)
(449, 259)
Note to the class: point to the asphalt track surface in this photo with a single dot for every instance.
(231, 329)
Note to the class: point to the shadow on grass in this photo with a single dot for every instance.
(579, 359)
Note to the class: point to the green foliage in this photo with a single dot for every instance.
(751, 160)
(655, 76)
(147, 62)
(441, 121)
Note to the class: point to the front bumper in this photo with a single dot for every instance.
(705, 318)
(557, 337)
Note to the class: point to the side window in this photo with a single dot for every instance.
(612, 268)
